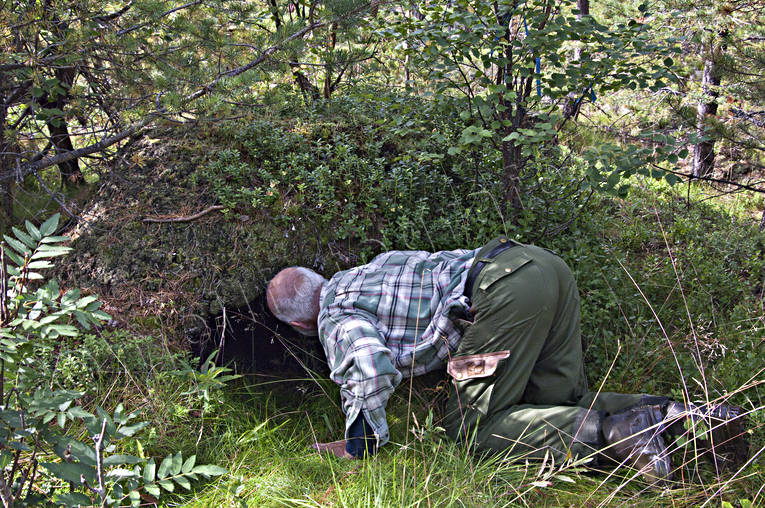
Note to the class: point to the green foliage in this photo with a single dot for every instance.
(93, 360)
(698, 268)
(393, 187)
(486, 53)
(207, 381)
(34, 316)
(115, 478)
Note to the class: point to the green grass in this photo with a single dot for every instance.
(262, 435)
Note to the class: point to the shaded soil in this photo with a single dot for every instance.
(251, 340)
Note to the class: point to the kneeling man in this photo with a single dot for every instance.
(504, 319)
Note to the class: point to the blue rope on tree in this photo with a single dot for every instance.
(592, 95)
(537, 60)
(538, 65)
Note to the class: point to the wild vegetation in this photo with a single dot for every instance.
(194, 148)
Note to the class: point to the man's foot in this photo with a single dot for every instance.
(634, 437)
(720, 432)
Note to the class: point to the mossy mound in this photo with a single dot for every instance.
(176, 273)
(325, 189)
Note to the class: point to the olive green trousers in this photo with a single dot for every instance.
(530, 396)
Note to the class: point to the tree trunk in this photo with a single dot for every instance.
(573, 104)
(59, 131)
(704, 152)
(512, 158)
(309, 90)
(583, 6)
(328, 67)
(512, 162)
(6, 187)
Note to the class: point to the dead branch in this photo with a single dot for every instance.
(188, 218)
(262, 58)
(105, 142)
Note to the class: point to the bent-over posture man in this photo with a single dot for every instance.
(505, 320)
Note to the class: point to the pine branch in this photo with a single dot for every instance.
(105, 142)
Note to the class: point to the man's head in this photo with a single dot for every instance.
(293, 297)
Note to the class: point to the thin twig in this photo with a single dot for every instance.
(712, 180)
(55, 198)
(188, 218)
(3, 291)
(219, 358)
(98, 440)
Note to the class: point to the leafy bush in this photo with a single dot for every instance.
(377, 170)
(34, 313)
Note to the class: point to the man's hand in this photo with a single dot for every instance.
(335, 447)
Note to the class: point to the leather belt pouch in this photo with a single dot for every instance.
(475, 366)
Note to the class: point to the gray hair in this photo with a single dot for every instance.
(299, 304)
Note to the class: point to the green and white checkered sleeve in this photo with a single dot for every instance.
(363, 366)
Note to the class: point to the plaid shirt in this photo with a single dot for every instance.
(376, 319)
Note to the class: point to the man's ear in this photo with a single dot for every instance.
(301, 325)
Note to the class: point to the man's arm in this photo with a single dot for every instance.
(363, 366)
(361, 441)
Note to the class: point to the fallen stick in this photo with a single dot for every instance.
(187, 218)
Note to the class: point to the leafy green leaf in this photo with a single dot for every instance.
(15, 258)
(129, 430)
(33, 230)
(152, 489)
(165, 467)
(78, 412)
(49, 226)
(54, 239)
(28, 241)
(113, 460)
(149, 471)
(183, 482)
(18, 247)
(120, 473)
(167, 485)
(210, 470)
(50, 251)
(177, 462)
(37, 265)
(65, 330)
(82, 452)
(83, 302)
(70, 472)
(73, 499)
(188, 465)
